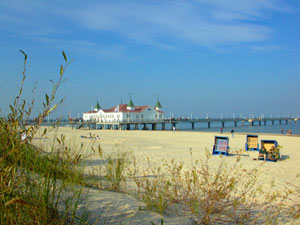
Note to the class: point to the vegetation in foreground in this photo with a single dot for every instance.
(44, 188)
(36, 187)
(226, 195)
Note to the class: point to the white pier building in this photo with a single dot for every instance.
(125, 113)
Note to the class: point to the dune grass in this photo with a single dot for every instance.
(36, 187)
(228, 194)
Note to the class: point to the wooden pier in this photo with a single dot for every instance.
(155, 124)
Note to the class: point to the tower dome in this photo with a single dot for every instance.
(130, 105)
(97, 107)
(158, 106)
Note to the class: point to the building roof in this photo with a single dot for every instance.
(93, 111)
(123, 108)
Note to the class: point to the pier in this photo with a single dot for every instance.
(173, 122)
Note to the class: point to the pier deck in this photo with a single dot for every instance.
(127, 125)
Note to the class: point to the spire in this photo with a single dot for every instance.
(97, 107)
(158, 106)
(130, 105)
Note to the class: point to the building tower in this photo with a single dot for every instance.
(158, 106)
(97, 107)
(130, 105)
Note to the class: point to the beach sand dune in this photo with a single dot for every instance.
(181, 146)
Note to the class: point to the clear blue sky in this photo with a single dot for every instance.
(199, 56)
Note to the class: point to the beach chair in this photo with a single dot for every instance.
(269, 151)
(252, 143)
(221, 146)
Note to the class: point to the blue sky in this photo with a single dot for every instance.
(199, 56)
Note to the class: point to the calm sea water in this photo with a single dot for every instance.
(269, 128)
(216, 126)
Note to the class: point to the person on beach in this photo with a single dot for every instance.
(221, 130)
(174, 128)
(232, 132)
(282, 130)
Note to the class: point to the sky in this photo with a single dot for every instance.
(199, 57)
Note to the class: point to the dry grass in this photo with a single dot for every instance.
(32, 183)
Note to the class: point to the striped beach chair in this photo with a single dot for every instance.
(221, 146)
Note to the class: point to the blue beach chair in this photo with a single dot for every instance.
(252, 143)
(269, 151)
(221, 146)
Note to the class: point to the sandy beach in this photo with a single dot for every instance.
(182, 147)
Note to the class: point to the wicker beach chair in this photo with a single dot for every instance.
(221, 146)
(252, 143)
(269, 151)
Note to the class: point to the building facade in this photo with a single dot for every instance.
(125, 113)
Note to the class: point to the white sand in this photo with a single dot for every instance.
(167, 145)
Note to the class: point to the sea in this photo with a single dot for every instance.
(216, 127)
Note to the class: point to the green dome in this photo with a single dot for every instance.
(130, 104)
(158, 105)
(97, 107)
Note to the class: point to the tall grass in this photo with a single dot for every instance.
(33, 184)
(226, 195)
(210, 191)
(114, 169)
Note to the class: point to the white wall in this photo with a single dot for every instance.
(90, 116)
(109, 117)
(149, 114)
